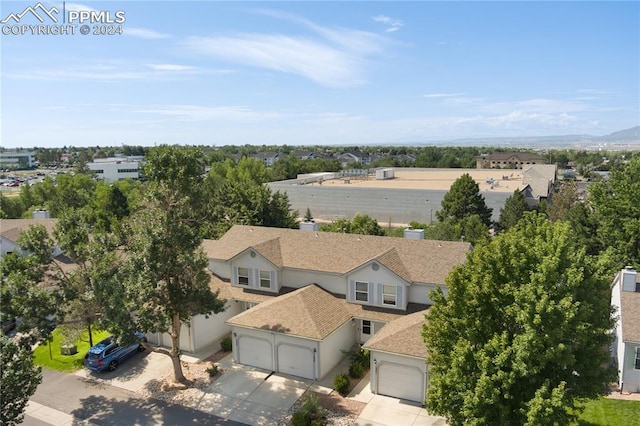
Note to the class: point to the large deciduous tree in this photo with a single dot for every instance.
(464, 200)
(523, 333)
(20, 378)
(617, 212)
(166, 281)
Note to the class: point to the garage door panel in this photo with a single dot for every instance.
(296, 360)
(255, 351)
(401, 381)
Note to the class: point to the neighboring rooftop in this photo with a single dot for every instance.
(11, 228)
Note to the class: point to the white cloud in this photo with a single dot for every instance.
(295, 55)
(202, 113)
(144, 33)
(332, 57)
(171, 67)
(392, 24)
(441, 95)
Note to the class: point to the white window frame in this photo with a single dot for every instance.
(359, 292)
(636, 361)
(262, 280)
(248, 273)
(387, 295)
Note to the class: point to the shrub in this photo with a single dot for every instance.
(341, 383)
(213, 370)
(356, 370)
(226, 344)
(310, 412)
(363, 357)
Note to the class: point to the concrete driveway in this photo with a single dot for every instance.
(257, 397)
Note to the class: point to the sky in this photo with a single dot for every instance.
(315, 73)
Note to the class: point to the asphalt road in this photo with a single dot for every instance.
(96, 403)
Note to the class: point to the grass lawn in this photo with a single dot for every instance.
(612, 412)
(65, 363)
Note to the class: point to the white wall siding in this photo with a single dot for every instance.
(376, 280)
(220, 268)
(255, 264)
(207, 331)
(630, 376)
(298, 279)
(330, 349)
(419, 293)
(186, 343)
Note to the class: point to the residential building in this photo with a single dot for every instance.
(268, 158)
(625, 351)
(538, 182)
(11, 228)
(508, 160)
(296, 300)
(116, 168)
(17, 159)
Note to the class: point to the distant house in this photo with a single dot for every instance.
(625, 351)
(348, 158)
(116, 168)
(508, 160)
(537, 183)
(297, 299)
(11, 229)
(305, 155)
(268, 158)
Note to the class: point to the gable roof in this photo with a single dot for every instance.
(521, 156)
(391, 259)
(401, 336)
(270, 249)
(11, 228)
(309, 312)
(630, 314)
(426, 261)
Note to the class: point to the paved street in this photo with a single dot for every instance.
(96, 403)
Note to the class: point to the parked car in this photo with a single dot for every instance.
(107, 355)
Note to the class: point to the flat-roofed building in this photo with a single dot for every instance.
(113, 169)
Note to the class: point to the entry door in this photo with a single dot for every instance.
(366, 330)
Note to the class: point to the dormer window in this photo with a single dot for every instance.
(265, 279)
(389, 295)
(243, 276)
(362, 291)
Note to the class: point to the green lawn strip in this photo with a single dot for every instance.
(605, 412)
(65, 363)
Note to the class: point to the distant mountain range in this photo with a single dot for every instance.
(623, 139)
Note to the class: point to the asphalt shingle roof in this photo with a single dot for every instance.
(425, 261)
(630, 314)
(309, 312)
(11, 228)
(401, 336)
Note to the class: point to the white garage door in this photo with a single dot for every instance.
(255, 351)
(296, 360)
(401, 381)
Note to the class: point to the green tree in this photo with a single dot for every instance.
(464, 200)
(523, 333)
(308, 217)
(514, 208)
(365, 225)
(562, 200)
(20, 379)
(617, 212)
(165, 279)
